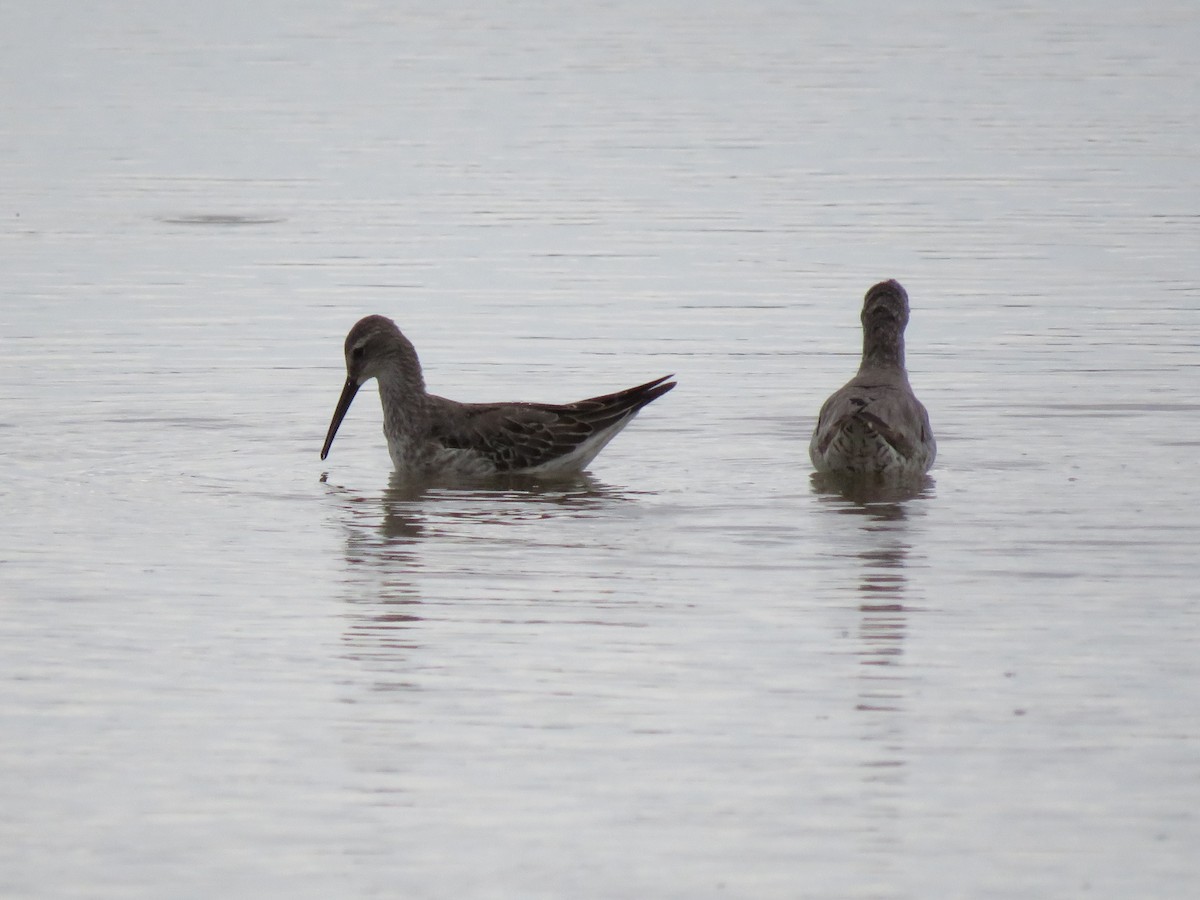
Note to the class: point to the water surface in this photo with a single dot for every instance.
(229, 668)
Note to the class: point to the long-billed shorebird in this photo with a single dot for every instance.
(430, 436)
(874, 424)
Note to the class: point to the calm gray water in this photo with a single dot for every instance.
(229, 669)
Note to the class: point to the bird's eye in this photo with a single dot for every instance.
(357, 352)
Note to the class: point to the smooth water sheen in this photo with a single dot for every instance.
(229, 669)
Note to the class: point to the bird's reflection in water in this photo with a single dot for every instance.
(387, 532)
(382, 535)
(882, 545)
(873, 497)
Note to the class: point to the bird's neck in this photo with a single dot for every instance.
(402, 393)
(883, 348)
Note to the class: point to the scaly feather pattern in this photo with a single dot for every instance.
(428, 435)
(874, 425)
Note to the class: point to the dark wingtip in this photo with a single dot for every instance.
(668, 384)
(655, 383)
(651, 391)
(628, 401)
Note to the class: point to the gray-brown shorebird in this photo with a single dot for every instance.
(874, 424)
(430, 436)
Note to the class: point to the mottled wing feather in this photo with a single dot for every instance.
(518, 436)
(895, 437)
(891, 412)
(514, 436)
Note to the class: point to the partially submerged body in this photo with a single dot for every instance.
(432, 436)
(874, 425)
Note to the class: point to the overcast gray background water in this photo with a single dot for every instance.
(230, 669)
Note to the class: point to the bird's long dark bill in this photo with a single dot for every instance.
(344, 402)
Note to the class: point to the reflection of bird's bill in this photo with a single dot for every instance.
(343, 405)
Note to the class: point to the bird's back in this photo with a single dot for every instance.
(541, 438)
(873, 425)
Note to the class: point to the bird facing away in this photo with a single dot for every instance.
(874, 424)
(430, 436)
